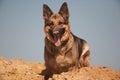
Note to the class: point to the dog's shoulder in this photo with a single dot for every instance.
(78, 40)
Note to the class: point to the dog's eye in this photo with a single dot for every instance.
(51, 23)
(60, 23)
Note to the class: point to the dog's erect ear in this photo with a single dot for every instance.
(47, 12)
(64, 11)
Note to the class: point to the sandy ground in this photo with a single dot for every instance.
(17, 69)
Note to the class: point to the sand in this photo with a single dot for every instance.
(18, 69)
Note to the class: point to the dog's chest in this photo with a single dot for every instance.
(64, 60)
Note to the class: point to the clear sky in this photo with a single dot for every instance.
(96, 21)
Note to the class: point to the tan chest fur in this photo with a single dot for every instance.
(62, 60)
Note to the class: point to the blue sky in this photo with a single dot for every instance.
(96, 21)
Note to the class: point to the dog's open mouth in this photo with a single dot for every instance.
(57, 36)
(57, 40)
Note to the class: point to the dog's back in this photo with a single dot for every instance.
(83, 51)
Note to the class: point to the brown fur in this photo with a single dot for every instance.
(63, 50)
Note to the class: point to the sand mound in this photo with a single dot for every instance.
(17, 69)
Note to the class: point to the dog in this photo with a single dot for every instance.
(63, 50)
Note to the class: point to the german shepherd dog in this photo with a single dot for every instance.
(63, 50)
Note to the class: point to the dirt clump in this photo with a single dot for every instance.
(89, 73)
(17, 69)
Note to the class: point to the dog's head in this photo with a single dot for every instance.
(57, 28)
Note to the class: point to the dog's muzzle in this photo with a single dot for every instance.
(56, 34)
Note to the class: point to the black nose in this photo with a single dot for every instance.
(56, 32)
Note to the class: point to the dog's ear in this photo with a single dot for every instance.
(47, 12)
(64, 11)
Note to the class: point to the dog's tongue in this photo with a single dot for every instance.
(58, 43)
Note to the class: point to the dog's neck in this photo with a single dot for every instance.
(68, 45)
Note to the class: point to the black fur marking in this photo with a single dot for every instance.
(62, 31)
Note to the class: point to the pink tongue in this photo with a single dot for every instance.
(58, 43)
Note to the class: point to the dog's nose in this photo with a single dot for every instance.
(56, 32)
